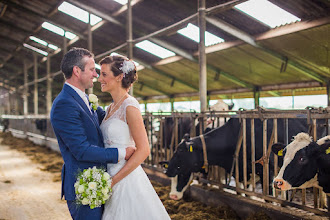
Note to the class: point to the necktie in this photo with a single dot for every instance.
(89, 104)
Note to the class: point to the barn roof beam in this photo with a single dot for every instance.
(230, 29)
(43, 18)
(173, 48)
(9, 40)
(24, 32)
(96, 12)
(188, 56)
(269, 88)
(251, 40)
(160, 72)
(277, 94)
(167, 45)
(154, 88)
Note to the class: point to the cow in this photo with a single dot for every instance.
(220, 146)
(305, 164)
(5, 123)
(41, 125)
(186, 124)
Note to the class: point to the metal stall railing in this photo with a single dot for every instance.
(314, 118)
(269, 119)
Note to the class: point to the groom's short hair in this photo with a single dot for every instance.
(74, 57)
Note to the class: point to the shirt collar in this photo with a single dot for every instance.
(80, 93)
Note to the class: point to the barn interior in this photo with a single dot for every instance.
(244, 55)
(249, 49)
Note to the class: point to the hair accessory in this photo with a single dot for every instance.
(128, 66)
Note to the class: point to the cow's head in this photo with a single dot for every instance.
(299, 168)
(188, 158)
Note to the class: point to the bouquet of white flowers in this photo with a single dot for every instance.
(93, 187)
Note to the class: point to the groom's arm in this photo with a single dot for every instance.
(100, 114)
(68, 126)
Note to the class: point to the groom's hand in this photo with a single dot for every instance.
(129, 152)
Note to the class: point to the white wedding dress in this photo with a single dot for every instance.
(133, 197)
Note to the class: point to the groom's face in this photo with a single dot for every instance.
(89, 73)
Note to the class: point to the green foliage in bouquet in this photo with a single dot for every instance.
(93, 187)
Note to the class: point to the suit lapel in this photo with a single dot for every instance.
(81, 102)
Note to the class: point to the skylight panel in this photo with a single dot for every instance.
(35, 39)
(69, 35)
(42, 42)
(35, 49)
(192, 32)
(267, 12)
(57, 30)
(154, 49)
(78, 13)
(52, 46)
(123, 2)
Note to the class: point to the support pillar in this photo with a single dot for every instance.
(129, 32)
(202, 56)
(16, 101)
(90, 42)
(8, 103)
(172, 104)
(256, 95)
(65, 45)
(35, 94)
(65, 50)
(49, 87)
(25, 99)
(293, 95)
(145, 106)
(328, 93)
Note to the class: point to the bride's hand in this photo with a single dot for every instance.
(129, 152)
(114, 181)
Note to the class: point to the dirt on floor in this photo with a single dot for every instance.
(50, 164)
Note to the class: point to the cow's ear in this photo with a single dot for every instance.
(277, 149)
(186, 137)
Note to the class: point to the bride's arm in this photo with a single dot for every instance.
(137, 129)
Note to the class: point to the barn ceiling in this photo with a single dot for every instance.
(285, 60)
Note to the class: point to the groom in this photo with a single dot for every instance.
(77, 129)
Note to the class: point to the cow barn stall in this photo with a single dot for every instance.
(163, 146)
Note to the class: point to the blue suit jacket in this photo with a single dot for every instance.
(79, 138)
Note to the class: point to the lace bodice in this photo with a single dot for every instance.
(115, 129)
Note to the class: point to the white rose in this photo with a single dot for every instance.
(81, 189)
(92, 185)
(85, 201)
(87, 173)
(88, 191)
(106, 176)
(105, 191)
(76, 184)
(93, 98)
(105, 197)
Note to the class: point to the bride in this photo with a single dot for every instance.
(133, 195)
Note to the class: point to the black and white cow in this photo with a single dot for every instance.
(221, 145)
(305, 163)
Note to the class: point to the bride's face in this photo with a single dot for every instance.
(107, 79)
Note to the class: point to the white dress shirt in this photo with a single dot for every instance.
(121, 151)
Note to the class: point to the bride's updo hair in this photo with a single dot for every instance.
(122, 65)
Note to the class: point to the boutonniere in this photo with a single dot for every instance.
(94, 101)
